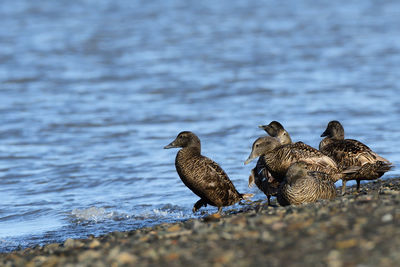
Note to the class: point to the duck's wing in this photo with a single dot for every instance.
(311, 155)
(217, 182)
(350, 152)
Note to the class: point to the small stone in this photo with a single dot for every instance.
(346, 244)
(225, 258)
(51, 248)
(174, 228)
(212, 218)
(94, 244)
(172, 256)
(89, 255)
(126, 258)
(334, 259)
(69, 243)
(387, 218)
(266, 236)
(113, 254)
(39, 260)
(278, 226)
(270, 220)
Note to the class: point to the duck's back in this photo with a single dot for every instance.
(309, 188)
(282, 157)
(350, 152)
(205, 178)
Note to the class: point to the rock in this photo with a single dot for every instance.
(333, 259)
(94, 244)
(51, 248)
(172, 256)
(70, 243)
(346, 244)
(126, 258)
(174, 228)
(89, 255)
(387, 218)
(212, 218)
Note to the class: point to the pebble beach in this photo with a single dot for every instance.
(358, 229)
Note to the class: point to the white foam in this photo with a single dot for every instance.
(94, 214)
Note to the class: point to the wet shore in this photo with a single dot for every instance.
(358, 229)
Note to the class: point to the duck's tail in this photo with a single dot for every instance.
(368, 171)
(383, 166)
(251, 178)
(246, 196)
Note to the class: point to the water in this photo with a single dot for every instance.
(92, 90)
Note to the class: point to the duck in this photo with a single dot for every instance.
(261, 177)
(302, 185)
(350, 152)
(203, 176)
(278, 157)
(275, 129)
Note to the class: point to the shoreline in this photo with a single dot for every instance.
(350, 230)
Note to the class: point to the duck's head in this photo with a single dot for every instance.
(184, 139)
(262, 146)
(334, 130)
(275, 129)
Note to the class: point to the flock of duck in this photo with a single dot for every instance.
(295, 173)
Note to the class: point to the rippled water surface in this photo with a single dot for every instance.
(91, 91)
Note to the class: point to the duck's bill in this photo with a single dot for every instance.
(324, 133)
(248, 160)
(171, 145)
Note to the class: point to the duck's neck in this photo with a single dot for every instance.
(270, 159)
(285, 139)
(324, 142)
(189, 152)
(338, 134)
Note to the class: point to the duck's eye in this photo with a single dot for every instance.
(256, 145)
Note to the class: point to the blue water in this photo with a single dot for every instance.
(91, 91)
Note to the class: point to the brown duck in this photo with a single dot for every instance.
(349, 152)
(301, 185)
(260, 176)
(275, 129)
(202, 175)
(278, 158)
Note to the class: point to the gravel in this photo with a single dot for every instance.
(358, 229)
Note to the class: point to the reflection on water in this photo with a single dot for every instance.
(92, 90)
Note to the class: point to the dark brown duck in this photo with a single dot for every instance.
(202, 175)
(275, 129)
(278, 158)
(261, 177)
(350, 152)
(301, 185)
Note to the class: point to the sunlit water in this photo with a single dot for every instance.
(91, 91)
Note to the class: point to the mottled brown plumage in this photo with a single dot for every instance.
(278, 158)
(202, 175)
(301, 185)
(349, 153)
(275, 129)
